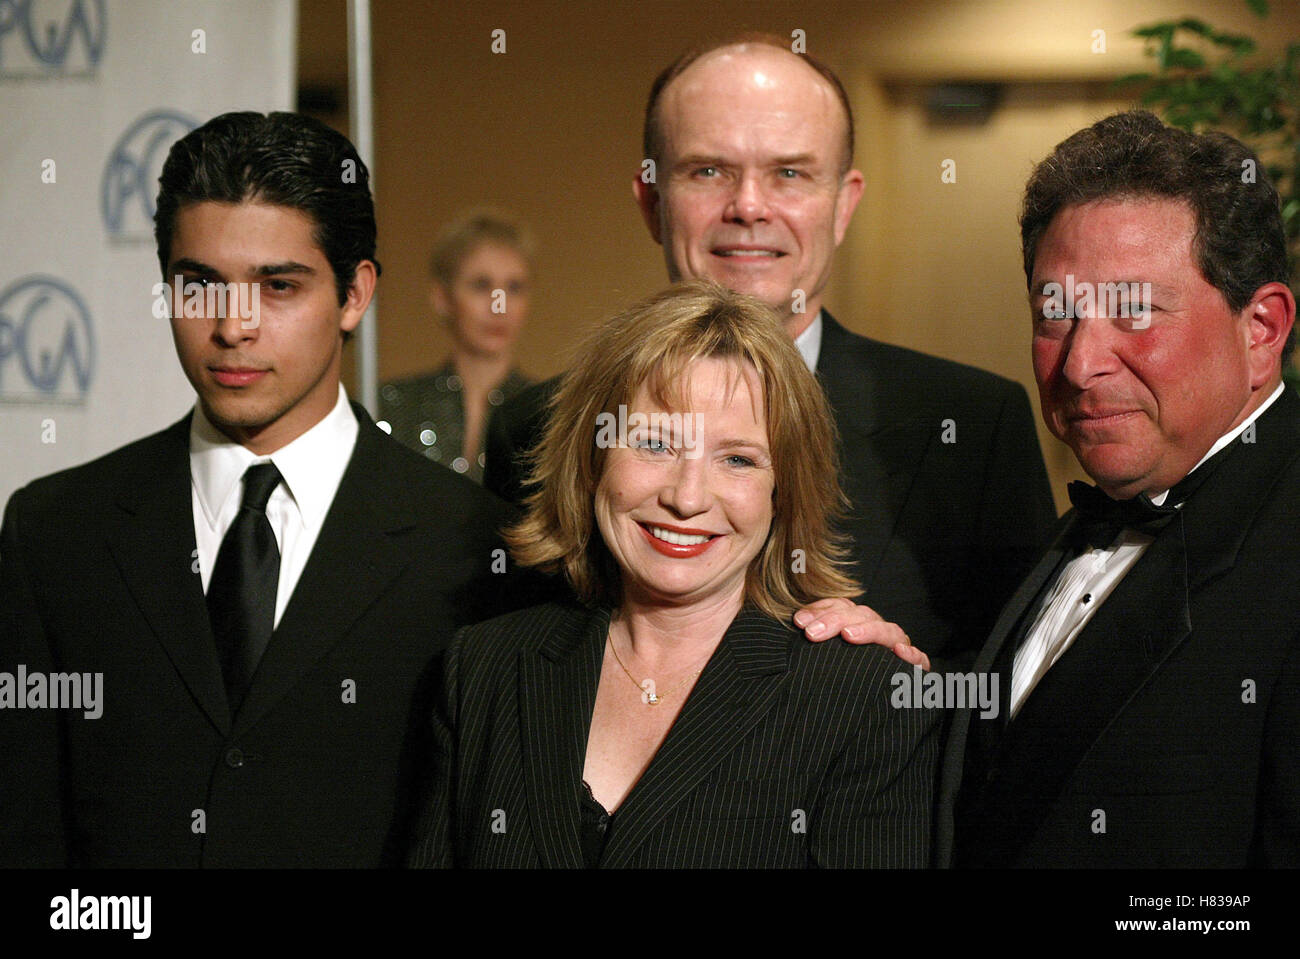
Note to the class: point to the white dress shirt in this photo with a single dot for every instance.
(1084, 584)
(809, 343)
(312, 466)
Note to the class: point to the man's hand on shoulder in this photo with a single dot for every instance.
(857, 624)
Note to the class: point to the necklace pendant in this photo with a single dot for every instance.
(648, 695)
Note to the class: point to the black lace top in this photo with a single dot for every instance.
(596, 827)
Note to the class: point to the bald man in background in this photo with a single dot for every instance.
(753, 186)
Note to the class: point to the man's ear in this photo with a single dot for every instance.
(847, 201)
(647, 200)
(1270, 315)
(360, 292)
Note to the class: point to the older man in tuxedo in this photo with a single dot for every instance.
(1150, 664)
(261, 586)
(750, 182)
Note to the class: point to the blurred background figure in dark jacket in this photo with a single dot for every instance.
(481, 271)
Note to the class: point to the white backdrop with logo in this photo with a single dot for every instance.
(92, 95)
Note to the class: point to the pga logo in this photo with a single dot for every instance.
(51, 38)
(47, 346)
(130, 182)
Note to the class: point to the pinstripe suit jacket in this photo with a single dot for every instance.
(787, 753)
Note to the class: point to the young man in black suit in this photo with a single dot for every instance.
(1150, 664)
(753, 186)
(260, 586)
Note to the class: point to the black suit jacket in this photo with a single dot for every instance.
(98, 573)
(786, 753)
(950, 499)
(1173, 721)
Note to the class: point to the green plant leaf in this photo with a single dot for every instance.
(1165, 30)
(1192, 25)
(1222, 86)
(1292, 58)
(1183, 57)
(1226, 75)
(1238, 43)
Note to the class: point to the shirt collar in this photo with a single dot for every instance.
(312, 465)
(1228, 437)
(809, 343)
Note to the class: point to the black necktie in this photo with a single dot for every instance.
(241, 594)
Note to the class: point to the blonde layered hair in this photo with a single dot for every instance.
(464, 235)
(653, 344)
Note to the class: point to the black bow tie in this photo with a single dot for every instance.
(1101, 518)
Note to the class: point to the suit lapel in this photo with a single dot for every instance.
(851, 393)
(154, 547)
(1023, 600)
(1219, 516)
(735, 691)
(557, 695)
(1010, 625)
(1131, 635)
(880, 449)
(359, 552)
(1015, 618)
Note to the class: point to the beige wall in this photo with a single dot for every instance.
(551, 129)
(944, 269)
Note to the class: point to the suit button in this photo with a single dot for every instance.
(234, 758)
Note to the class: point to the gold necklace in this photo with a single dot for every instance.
(647, 686)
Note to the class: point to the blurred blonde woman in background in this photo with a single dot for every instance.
(481, 271)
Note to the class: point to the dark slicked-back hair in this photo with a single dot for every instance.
(284, 159)
(652, 141)
(1239, 243)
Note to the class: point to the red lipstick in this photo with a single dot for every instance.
(675, 550)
